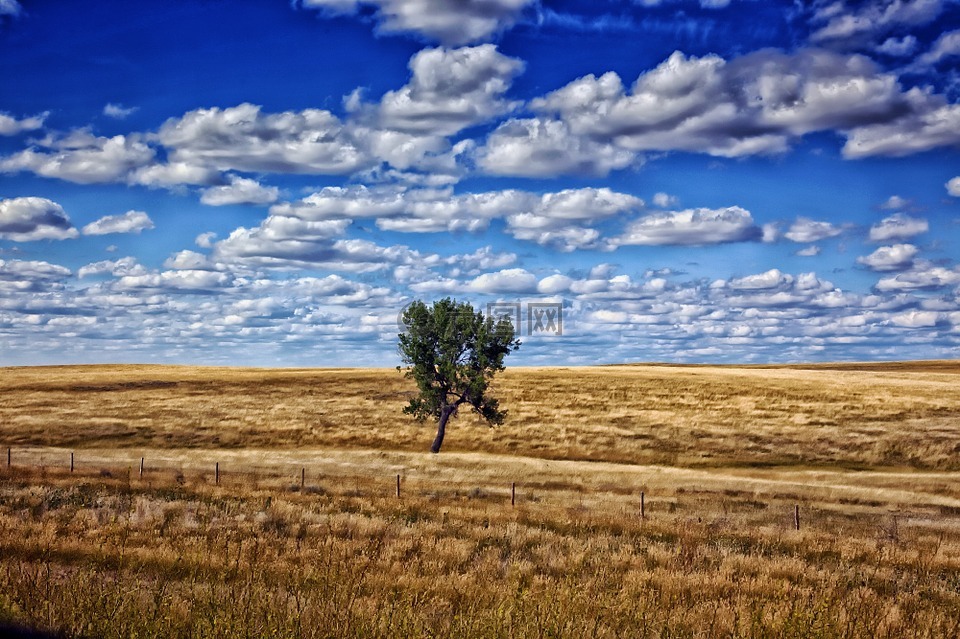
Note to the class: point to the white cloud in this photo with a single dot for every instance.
(514, 280)
(929, 123)
(946, 46)
(923, 276)
(665, 200)
(691, 227)
(773, 278)
(26, 219)
(916, 319)
(174, 174)
(805, 230)
(10, 8)
(240, 191)
(755, 104)
(953, 187)
(22, 276)
(82, 158)
(180, 281)
(554, 284)
(452, 23)
(10, 125)
(118, 111)
(555, 219)
(810, 251)
(117, 268)
(872, 19)
(898, 48)
(242, 138)
(129, 222)
(538, 147)
(890, 258)
(897, 227)
(895, 202)
(450, 90)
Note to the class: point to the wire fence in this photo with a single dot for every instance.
(202, 469)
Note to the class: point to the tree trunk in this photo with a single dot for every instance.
(445, 413)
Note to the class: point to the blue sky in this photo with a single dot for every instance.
(269, 183)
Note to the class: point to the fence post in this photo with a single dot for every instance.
(513, 494)
(303, 478)
(217, 471)
(796, 516)
(643, 506)
(71, 462)
(398, 486)
(141, 468)
(9, 456)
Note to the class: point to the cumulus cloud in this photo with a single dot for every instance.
(692, 227)
(665, 200)
(898, 47)
(451, 23)
(924, 276)
(82, 157)
(116, 268)
(953, 187)
(240, 191)
(537, 147)
(916, 319)
(174, 174)
(554, 219)
(26, 219)
(9, 125)
(756, 104)
(929, 123)
(897, 227)
(895, 202)
(890, 258)
(243, 138)
(855, 25)
(118, 111)
(805, 230)
(810, 251)
(946, 46)
(180, 281)
(10, 8)
(22, 276)
(129, 222)
(513, 280)
(450, 90)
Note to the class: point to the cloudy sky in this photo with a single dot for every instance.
(269, 183)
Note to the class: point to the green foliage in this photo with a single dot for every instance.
(452, 352)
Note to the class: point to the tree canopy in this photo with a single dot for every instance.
(452, 352)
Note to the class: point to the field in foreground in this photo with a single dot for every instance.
(723, 456)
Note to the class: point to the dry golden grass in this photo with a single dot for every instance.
(722, 455)
(866, 416)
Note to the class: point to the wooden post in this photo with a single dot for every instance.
(9, 456)
(218, 473)
(513, 494)
(303, 478)
(796, 516)
(141, 468)
(643, 506)
(398, 486)
(71, 462)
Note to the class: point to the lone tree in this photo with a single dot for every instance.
(452, 352)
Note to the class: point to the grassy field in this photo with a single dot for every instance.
(722, 455)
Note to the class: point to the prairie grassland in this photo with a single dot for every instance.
(722, 456)
(903, 416)
(103, 553)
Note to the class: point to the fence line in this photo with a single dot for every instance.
(145, 474)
